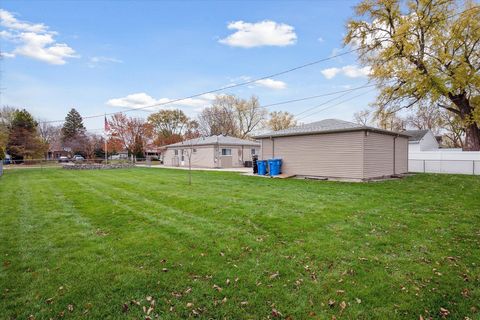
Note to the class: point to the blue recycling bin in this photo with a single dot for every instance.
(275, 167)
(262, 167)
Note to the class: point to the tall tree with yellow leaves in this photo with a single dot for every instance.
(424, 52)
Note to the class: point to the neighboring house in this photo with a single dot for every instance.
(57, 150)
(337, 149)
(211, 152)
(421, 140)
(425, 155)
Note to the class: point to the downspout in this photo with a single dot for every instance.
(273, 148)
(394, 155)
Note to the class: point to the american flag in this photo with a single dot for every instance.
(107, 125)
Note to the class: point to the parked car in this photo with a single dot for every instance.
(78, 157)
(63, 159)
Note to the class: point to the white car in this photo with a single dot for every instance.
(78, 158)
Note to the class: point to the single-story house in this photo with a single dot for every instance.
(217, 151)
(57, 150)
(421, 140)
(337, 149)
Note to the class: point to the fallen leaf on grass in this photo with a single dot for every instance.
(49, 301)
(340, 291)
(125, 307)
(358, 300)
(276, 313)
(149, 311)
(165, 270)
(444, 312)
(189, 305)
(70, 307)
(343, 305)
(244, 303)
(331, 303)
(227, 282)
(274, 275)
(217, 288)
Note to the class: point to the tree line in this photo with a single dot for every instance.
(24, 137)
(228, 115)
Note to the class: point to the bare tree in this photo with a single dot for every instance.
(220, 117)
(95, 145)
(427, 117)
(250, 116)
(363, 117)
(388, 120)
(232, 116)
(455, 133)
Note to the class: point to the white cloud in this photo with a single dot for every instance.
(350, 71)
(272, 84)
(145, 101)
(96, 61)
(320, 39)
(33, 40)
(8, 20)
(263, 33)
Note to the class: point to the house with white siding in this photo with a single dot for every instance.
(421, 140)
(425, 155)
(335, 148)
(217, 151)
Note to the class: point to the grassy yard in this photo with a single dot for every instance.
(104, 244)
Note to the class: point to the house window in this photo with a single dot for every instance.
(194, 150)
(176, 152)
(226, 152)
(253, 151)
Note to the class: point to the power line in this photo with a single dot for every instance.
(242, 83)
(345, 92)
(220, 89)
(336, 104)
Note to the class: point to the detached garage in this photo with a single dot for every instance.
(337, 149)
(211, 152)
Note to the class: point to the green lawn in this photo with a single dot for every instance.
(99, 244)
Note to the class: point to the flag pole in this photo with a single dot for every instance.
(106, 140)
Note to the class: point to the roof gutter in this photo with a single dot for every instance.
(370, 129)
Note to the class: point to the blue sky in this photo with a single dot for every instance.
(105, 56)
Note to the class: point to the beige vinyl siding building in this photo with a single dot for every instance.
(211, 152)
(337, 149)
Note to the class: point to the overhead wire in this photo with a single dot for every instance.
(251, 81)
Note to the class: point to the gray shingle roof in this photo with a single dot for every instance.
(415, 135)
(211, 140)
(324, 126)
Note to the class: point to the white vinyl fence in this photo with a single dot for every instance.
(445, 161)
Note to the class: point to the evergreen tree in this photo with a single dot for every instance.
(73, 126)
(23, 139)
